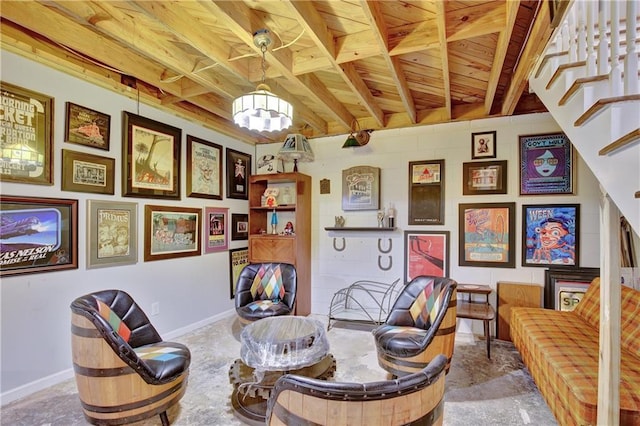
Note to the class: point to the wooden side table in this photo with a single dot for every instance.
(476, 309)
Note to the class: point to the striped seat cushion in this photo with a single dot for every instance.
(114, 320)
(267, 283)
(164, 360)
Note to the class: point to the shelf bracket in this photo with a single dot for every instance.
(344, 244)
(380, 246)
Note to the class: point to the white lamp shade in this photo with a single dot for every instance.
(262, 111)
(296, 147)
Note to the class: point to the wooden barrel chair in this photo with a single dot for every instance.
(421, 324)
(124, 371)
(416, 399)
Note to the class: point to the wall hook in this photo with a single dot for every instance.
(385, 268)
(344, 244)
(380, 246)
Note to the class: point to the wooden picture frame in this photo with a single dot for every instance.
(171, 232)
(564, 288)
(487, 235)
(28, 158)
(112, 233)
(216, 236)
(361, 188)
(83, 172)
(238, 172)
(426, 192)
(38, 235)
(150, 158)
(204, 169)
(546, 165)
(484, 177)
(238, 259)
(239, 227)
(426, 253)
(483, 145)
(551, 235)
(85, 126)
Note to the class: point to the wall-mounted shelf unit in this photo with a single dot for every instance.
(359, 228)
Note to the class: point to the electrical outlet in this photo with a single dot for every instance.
(155, 308)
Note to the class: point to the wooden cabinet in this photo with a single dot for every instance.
(512, 295)
(294, 189)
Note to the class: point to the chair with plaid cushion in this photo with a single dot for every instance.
(265, 290)
(124, 371)
(421, 325)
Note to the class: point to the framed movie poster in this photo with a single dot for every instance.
(487, 235)
(239, 226)
(216, 237)
(238, 259)
(551, 235)
(26, 119)
(204, 169)
(38, 235)
(426, 253)
(238, 172)
(546, 165)
(483, 145)
(85, 126)
(361, 188)
(83, 172)
(112, 229)
(171, 232)
(484, 177)
(426, 192)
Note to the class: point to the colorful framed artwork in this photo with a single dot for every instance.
(27, 141)
(564, 288)
(239, 226)
(238, 172)
(426, 253)
(238, 259)
(216, 237)
(85, 126)
(204, 169)
(426, 192)
(484, 177)
(112, 230)
(551, 235)
(361, 188)
(83, 172)
(150, 158)
(487, 235)
(38, 235)
(546, 165)
(483, 145)
(171, 232)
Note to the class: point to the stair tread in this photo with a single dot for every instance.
(602, 103)
(621, 142)
(546, 59)
(579, 83)
(562, 68)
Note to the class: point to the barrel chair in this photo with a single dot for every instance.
(124, 371)
(420, 325)
(265, 290)
(416, 399)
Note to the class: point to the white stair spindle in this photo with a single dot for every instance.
(581, 11)
(631, 57)
(591, 49)
(615, 75)
(573, 44)
(603, 40)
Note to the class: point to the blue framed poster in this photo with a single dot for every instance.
(551, 235)
(546, 165)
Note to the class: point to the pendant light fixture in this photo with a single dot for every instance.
(358, 137)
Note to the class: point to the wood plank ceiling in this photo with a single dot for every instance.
(342, 64)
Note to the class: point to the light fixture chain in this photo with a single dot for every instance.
(263, 47)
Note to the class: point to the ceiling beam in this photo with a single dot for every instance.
(441, 19)
(478, 20)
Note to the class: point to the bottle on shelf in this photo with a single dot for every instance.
(274, 222)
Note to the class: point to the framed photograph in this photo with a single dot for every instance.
(238, 172)
(171, 232)
(563, 288)
(27, 156)
(85, 126)
(426, 253)
(112, 229)
(238, 259)
(487, 235)
(546, 165)
(551, 235)
(38, 235)
(216, 237)
(426, 192)
(483, 145)
(87, 172)
(150, 158)
(239, 226)
(361, 188)
(484, 177)
(204, 169)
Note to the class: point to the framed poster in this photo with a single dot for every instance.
(216, 237)
(546, 165)
(484, 177)
(27, 136)
(426, 253)
(171, 232)
(239, 226)
(487, 235)
(85, 126)
(483, 145)
(38, 235)
(563, 288)
(238, 172)
(551, 235)
(426, 192)
(204, 169)
(87, 172)
(361, 188)
(112, 230)
(150, 158)
(238, 259)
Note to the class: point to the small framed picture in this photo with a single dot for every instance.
(238, 172)
(551, 235)
(238, 259)
(484, 177)
(112, 233)
(426, 253)
(171, 232)
(204, 169)
(216, 237)
(483, 145)
(85, 126)
(239, 227)
(361, 188)
(83, 172)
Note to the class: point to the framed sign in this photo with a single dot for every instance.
(171, 232)
(238, 172)
(38, 235)
(483, 145)
(426, 253)
(238, 259)
(550, 235)
(546, 165)
(150, 158)
(487, 236)
(87, 127)
(112, 230)
(361, 188)
(239, 226)
(426, 192)
(204, 169)
(484, 177)
(216, 237)
(563, 288)
(26, 119)
(87, 172)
